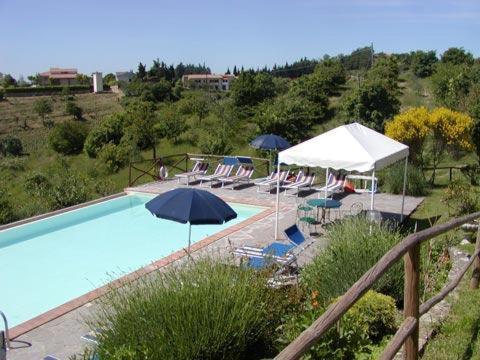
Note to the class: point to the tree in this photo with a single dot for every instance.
(289, 117)
(249, 88)
(43, 108)
(331, 73)
(423, 62)
(372, 104)
(8, 81)
(451, 83)
(83, 79)
(385, 71)
(162, 90)
(34, 79)
(141, 72)
(109, 130)
(457, 56)
(140, 125)
(228, 71)
(68, 138)
(11, 145)
(411, 127)
(109, 79)
(74, 110)
(171, 125)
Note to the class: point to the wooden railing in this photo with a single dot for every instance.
(407, 333)
(177, 163)
(450, 169)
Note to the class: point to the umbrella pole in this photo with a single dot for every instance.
(189, 237)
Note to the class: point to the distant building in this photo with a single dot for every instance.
(210, 81)
(59, 76)
(97, 82)
(126, 76)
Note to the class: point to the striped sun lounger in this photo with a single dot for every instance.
(200, 168)
(334, 185)
(222, 170)
(302, 182)
(243, 175)
(271, 181)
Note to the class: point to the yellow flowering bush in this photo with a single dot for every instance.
(411, 127)
(453, 128)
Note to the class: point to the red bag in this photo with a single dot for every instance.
(348, 187)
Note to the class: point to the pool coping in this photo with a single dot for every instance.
(84, 299)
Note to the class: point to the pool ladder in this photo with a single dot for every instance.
(4, 336)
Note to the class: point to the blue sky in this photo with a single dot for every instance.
(111, 36)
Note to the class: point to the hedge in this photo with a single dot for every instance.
(53, 89)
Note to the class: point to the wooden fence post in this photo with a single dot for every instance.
(412, 298)
(476, 264)
(130, 174)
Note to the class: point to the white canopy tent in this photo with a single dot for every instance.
(352, 147)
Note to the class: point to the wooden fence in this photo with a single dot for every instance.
(178, 163)
(407, 334)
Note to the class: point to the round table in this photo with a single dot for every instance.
(324, 204)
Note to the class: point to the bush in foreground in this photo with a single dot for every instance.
(352, 251)
(67, 138)
(366, 323)
(203, 311)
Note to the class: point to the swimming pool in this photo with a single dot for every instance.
(48, 262)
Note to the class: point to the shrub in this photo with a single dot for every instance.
(69, 190)
(7, 211)
(68, 138)
(368, 321)
(416, 182)
(74, 110)
(45, 90)
(37, 184)
(352, 251)
(2, 94)
(11, 145)
(204, 311)
(109, 130)
(215, 144)
(115, 157)
(461, 198)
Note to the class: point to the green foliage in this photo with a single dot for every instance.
(115, 157)
(359, 59)
(215, 143)
(291, 118)
(203, 311)
(37, 184)
(8, 81)
(7, 211)
(156, 92)
(451, 83)
(352, 251)
(386, 72)
(12, 163)
(11, 145)
(140, 120)
(423, 63)
(367, 322)
(461, 198)
(393, 180)
(2, 94)
(68, 138)
(70, 189)
(457, 56)
(43, 107)
(171, 125)
(249, 88)
(371, 104)
(74, 110)
(45, 90)
(109, 79)
(109, 130)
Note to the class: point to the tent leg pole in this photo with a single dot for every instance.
(277, 201)
(326, 184)
(372, 201)
(404, 188)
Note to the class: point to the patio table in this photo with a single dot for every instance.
(324, 204)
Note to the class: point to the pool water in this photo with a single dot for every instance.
(48, 262)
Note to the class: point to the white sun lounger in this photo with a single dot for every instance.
(200, 168)
(271, 181)
(222, 170)
(334, 185)
(302, 182)
(243, 175)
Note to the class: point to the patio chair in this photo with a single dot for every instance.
(271, 181)
(302, 182)
(334, 185)
(222, 170)
(200, 168)
(243, 175)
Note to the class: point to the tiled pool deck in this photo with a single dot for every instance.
(58, 332)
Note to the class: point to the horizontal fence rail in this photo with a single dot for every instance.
(407, 335)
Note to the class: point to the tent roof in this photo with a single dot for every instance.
(350, 147)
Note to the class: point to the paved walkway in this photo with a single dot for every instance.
(62, 337)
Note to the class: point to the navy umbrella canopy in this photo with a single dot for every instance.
(197, 207)
(270, 142)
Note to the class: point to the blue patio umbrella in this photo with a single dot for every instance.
(197, 207)
(270, 142)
